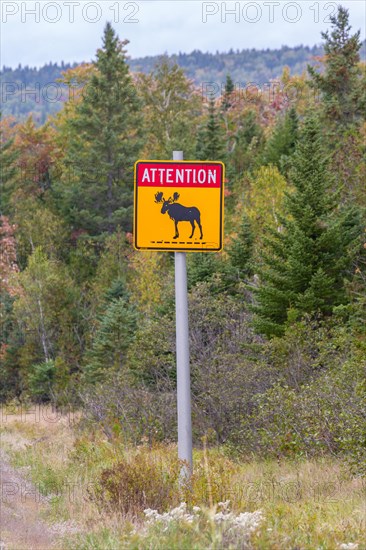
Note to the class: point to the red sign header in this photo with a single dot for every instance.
(179, 174)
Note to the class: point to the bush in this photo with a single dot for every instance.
(133, 414)
(149, 478)
(226, 371)
(142, 480)
(325, 416)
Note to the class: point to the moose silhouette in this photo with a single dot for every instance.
(179, 213)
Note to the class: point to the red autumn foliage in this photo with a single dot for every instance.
(8, 256)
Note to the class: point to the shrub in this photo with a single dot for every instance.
(324, 416)
(139, 481)
(134, 414)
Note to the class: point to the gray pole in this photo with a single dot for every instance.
(183, 371)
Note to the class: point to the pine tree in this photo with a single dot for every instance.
(341, 85)
(210, 140)
(306, 264)
(281, 144)
(105, 137)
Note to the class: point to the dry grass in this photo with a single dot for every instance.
(306, 504)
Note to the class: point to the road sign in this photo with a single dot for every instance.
(179, 205)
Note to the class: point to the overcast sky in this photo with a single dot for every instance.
(37, 32)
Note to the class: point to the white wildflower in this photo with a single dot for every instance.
(245, 523)
(220, 517)
(176, 514)
(249, 521)
(348, 546)
(224, 505)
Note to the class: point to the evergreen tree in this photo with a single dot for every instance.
(210, 139)
(112, 340)
(227, 99)
(202, 267)
(281, 144)
(103, 145)
(306, 264)
(240, 250)
(247, 143)
(341, 85)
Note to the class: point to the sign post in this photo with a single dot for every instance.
(183, 368)
(179, 208)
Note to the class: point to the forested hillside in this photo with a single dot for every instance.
(28, 90)
(277, 320)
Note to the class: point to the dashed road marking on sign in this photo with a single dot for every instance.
(198, 243)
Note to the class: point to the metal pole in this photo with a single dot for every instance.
(183, 370)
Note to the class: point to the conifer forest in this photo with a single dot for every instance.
(276, 320)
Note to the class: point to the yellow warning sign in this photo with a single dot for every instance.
(179, 205)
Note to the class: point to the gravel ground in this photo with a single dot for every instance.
(21, 527)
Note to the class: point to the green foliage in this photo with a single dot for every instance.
(323, 416)
(111, 342)
(247, 142)
(227, 95)
(40, 380)
(225, 369)
(305, 264)
(111, 271)
(39, 226)
(264, 200)
(46, 309)
(341, 85)
(11, 342)
(240, 250)
(104, 140)
(210, 138)
(83, 314)
(152, 354)
(281, 144)
(203, 267)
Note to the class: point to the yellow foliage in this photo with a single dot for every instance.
(265, 198)
(148, 281)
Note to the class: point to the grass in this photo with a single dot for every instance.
(307, 504)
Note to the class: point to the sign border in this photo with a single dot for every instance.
(181, 249)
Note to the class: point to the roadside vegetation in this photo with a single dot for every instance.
(101, 491)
